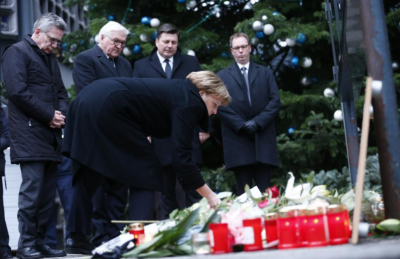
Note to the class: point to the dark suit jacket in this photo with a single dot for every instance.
(110, 119)
(92, 64)
(239, 148)
(4, 140)
(150, 67)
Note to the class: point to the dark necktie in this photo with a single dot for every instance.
(112, 62)
(168, 70)
(246, 80)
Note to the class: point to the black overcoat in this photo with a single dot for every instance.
(239, 148)
(92, 64)
(4, 140)
(35, 90)
(109, 121)
(150, 67)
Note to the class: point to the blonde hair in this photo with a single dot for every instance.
(211, 84)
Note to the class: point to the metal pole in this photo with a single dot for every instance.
(386, 121)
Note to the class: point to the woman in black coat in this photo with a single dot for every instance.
(107, 128)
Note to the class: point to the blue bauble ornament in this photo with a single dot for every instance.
(136, 49)
(82, 42)
(111, 17)
(182, 1)
(145, 20)
(301, 38)
(224, 55)
(154, 36)
(295, 61)
(314, 79)
(290, 131)
(64, 46)
(260, 34)
(275, 13)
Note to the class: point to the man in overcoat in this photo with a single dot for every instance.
(104, 61)
(178, 67)
(106, 135)
(37, 106)
(248, 130)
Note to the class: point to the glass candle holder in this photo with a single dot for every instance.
(302, 226)
(337, 225)
(219, 238)
(287, 229)
(271, 228)
(347, 221)
(200, 244)
(317, 232)
(136, 229)
(252, 229)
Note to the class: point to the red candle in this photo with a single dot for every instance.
(317, 233)
(252, 229)
(347, 221)
(271, 228)
(136, 229)
(219, 238)
(302, 226)
(338, 227)
(287, 229)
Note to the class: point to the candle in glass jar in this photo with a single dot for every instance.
(200, 243)
(252, 229)
(271, 228)
(219, 238)
(136, 229)
(317, 229)
(302, 225)
(287, 229)
(338, 227)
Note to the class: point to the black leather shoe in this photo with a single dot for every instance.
(78, 246)
(5, 254)
(29, 252)
(47, 251)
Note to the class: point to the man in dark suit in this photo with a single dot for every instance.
(248, 130)
(167, 61)
(103, 61)
(38, 103)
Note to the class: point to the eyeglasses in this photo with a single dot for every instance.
(117, 42)
(240, 47)
(53, 40)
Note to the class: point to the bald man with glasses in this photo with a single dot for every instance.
(109, 202)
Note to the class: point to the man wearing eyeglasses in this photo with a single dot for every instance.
(38, 103)
(109, 202)
(248, 130)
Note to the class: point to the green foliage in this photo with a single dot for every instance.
(219, 179)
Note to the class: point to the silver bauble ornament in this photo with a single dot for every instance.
(306, 81)
(268, 29)
(328, 92)
(73, 48)
(395, 65)
(264, 17)
(154, 22)
(290, 42)
(254, 41)
(191, 53)
(71, 60)
(338, 116)
(376, 88)
(307, 62)
(143, 37)
(127, 51)
(257, 26)
(191, 4)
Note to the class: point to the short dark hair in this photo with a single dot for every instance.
(238, 35)
(167, 28)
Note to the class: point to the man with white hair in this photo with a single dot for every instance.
(102, 61)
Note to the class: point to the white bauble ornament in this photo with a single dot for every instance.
(395, 65)
(127, 51)
(254, 41)
(264, 17)
(328, 92)
(306, 81)
(282, 43)
(371, 111)
(191, 4)
(290, 42)
(143, 37)
(338, 116)
(257, 26)
(191, 53)
(268, 29)
(376, 88)
(73, 48)
(97, 38)
(71, 60)
(307, 62)
(154, 22)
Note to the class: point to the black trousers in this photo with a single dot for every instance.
(4, 237)
(260, 173)
(109, 203)
(174, 197)
(36, 201)
(86, 183)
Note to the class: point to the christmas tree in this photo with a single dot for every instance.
(290, 37)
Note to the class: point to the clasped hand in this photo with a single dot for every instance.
(250, 127)
(58, 120)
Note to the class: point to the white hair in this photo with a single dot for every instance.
(112, 26)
